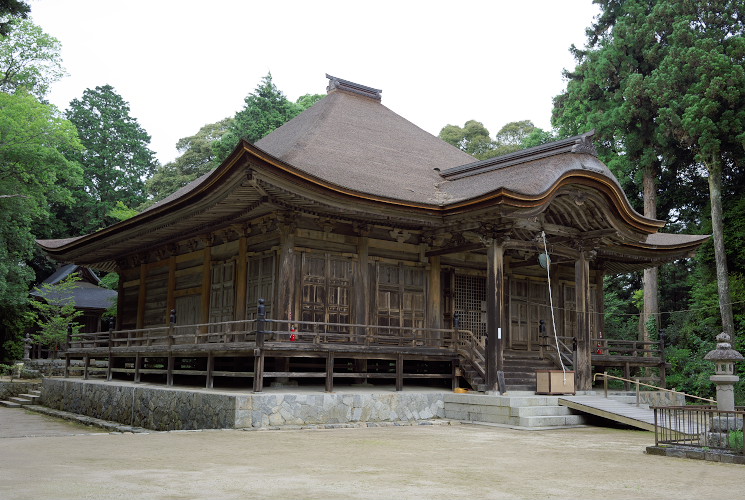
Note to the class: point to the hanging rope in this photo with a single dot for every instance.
(551, 302)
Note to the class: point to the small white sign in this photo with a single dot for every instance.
(499, 333)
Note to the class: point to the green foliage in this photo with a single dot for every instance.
(11, 10)
(473, 138)
(266, 108)
(55, 312)
(29, 59)
(735, 439)
(34, 174)
(116, 159)
(198, 157)
(122, 212)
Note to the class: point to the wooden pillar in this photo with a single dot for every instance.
(241, 279)
(138, 365)
(584, 347)
(600, 302)
(400, 372)
(329, 371)
(434, 301)
(258, 370)
(142, 297)
(206, 279)
(362, 302)
(169, 373)
(171, 293)
(86, 364)
(210, 368)
(495, 309)
(286, 282)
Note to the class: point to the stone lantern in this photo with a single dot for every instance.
(724, 357)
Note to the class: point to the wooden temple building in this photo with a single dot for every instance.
(379, 252)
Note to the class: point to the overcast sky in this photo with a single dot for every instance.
(183, 64)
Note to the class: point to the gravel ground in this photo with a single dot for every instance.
(46, 458)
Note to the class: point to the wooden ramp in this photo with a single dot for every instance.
(624, 413)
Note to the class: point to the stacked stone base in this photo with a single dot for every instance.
(169, 408)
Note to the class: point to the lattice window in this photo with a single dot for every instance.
(469, 300)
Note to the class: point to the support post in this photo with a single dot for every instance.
(86, 364)
(169, 373)
(495, 317)
(210, 369)
(329, 371)
(287, 281)
(258, 370)
(399, 372)
(583, 369)
(138, 365)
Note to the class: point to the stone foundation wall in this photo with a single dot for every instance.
(661, 398)
(169, 408)
(9, 389)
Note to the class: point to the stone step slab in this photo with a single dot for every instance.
(9, 404)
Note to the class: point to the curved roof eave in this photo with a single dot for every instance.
(245, 151)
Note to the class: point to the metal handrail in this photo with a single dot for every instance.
(636, 381)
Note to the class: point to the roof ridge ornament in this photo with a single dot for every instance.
(363, 90)
(584, 144)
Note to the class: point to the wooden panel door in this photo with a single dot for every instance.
(222, 298)
(326, 289)
(261, 283)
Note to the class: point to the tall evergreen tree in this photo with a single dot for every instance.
(700, 89)
(116, 160)
(266, 109)
(197, 158)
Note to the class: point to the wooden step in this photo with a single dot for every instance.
(9, 404)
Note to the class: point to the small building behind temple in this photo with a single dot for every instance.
(89, 296)
(379, 250)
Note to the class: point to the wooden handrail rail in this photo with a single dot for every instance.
(606, 377)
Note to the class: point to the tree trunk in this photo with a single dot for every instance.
(651, 290)
(717, 224)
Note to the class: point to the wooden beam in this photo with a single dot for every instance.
(456, 249)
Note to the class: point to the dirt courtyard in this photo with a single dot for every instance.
(432, 462)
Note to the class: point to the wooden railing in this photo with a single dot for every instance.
(639, 384)
(633, 348)
(272, 330)
(473, 350)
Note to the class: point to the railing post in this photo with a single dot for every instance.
(636, 381)
(171, 326)
(663, 370)
(605, 384)
(109, 373)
